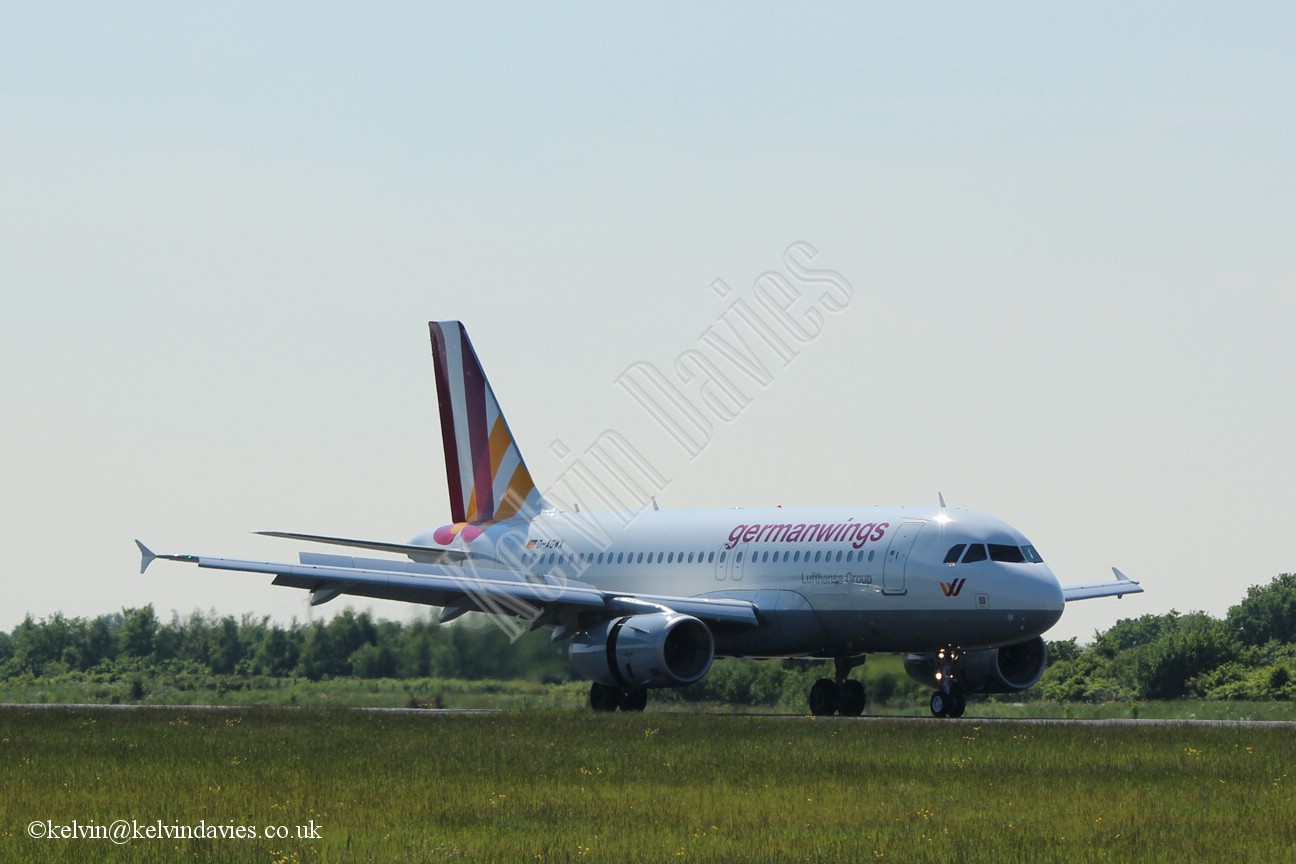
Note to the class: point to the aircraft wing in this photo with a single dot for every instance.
(541, 600)
(1119, 587)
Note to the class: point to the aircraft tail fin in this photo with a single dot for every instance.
(488, 479)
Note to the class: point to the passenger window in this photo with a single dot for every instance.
(952, 556)
(722, 556)
(871, 554)
(711, 558)
(975, 552)
(670, 559)
(796, 556)
(1007, 554)
(690, 558)
(839, 556)
(738, 559)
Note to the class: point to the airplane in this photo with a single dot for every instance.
(650, 598)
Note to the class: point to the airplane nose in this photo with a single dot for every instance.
(1047, 593)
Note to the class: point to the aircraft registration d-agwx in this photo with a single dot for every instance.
(651, 601)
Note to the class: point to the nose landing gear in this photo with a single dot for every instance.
(949, 700)
(950, 704)
(844, 696)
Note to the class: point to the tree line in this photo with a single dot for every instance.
(1250, 653)
(349, 644)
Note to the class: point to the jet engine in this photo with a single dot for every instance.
(662, 649)
(990, 670)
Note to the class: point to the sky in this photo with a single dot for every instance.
(1067, 234)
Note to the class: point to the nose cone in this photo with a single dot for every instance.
(1045, 595)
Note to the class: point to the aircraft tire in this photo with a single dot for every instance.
(940, 704)
(634, 700)
(823, 698)
(958, 704)
(603, 697)
(851, 699)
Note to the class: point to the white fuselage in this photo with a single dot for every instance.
(826, 581)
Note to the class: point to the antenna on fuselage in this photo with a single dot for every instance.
(942, 499)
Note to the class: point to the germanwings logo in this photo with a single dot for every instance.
(952, 589)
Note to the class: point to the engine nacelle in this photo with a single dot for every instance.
(991, 670)
(664, 649)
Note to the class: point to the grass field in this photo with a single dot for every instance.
(568, 786)
(879, 677)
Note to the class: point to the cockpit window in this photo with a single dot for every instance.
(952, 556)
(1031, 555)
(975, 552)
(1007, 554)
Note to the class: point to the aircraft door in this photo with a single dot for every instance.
(729, 563)
(897, 557)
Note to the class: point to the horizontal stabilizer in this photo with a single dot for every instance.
(422, 553)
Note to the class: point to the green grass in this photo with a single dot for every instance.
(903, 701)
(572, 786)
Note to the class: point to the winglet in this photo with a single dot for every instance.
(147, 556)
(1121, 577)
(1121, 586)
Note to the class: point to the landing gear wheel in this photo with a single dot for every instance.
(823, 698)
(604, 697)
(948, 704)
(851, 699)
(634, 700)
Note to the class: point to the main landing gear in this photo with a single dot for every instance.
(604, 697)
(844, 696)
(949, 700)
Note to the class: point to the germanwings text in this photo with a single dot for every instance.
(857, 533)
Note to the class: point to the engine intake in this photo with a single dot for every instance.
(663, 649)
(992, 670)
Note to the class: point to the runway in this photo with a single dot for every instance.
(451, 712)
